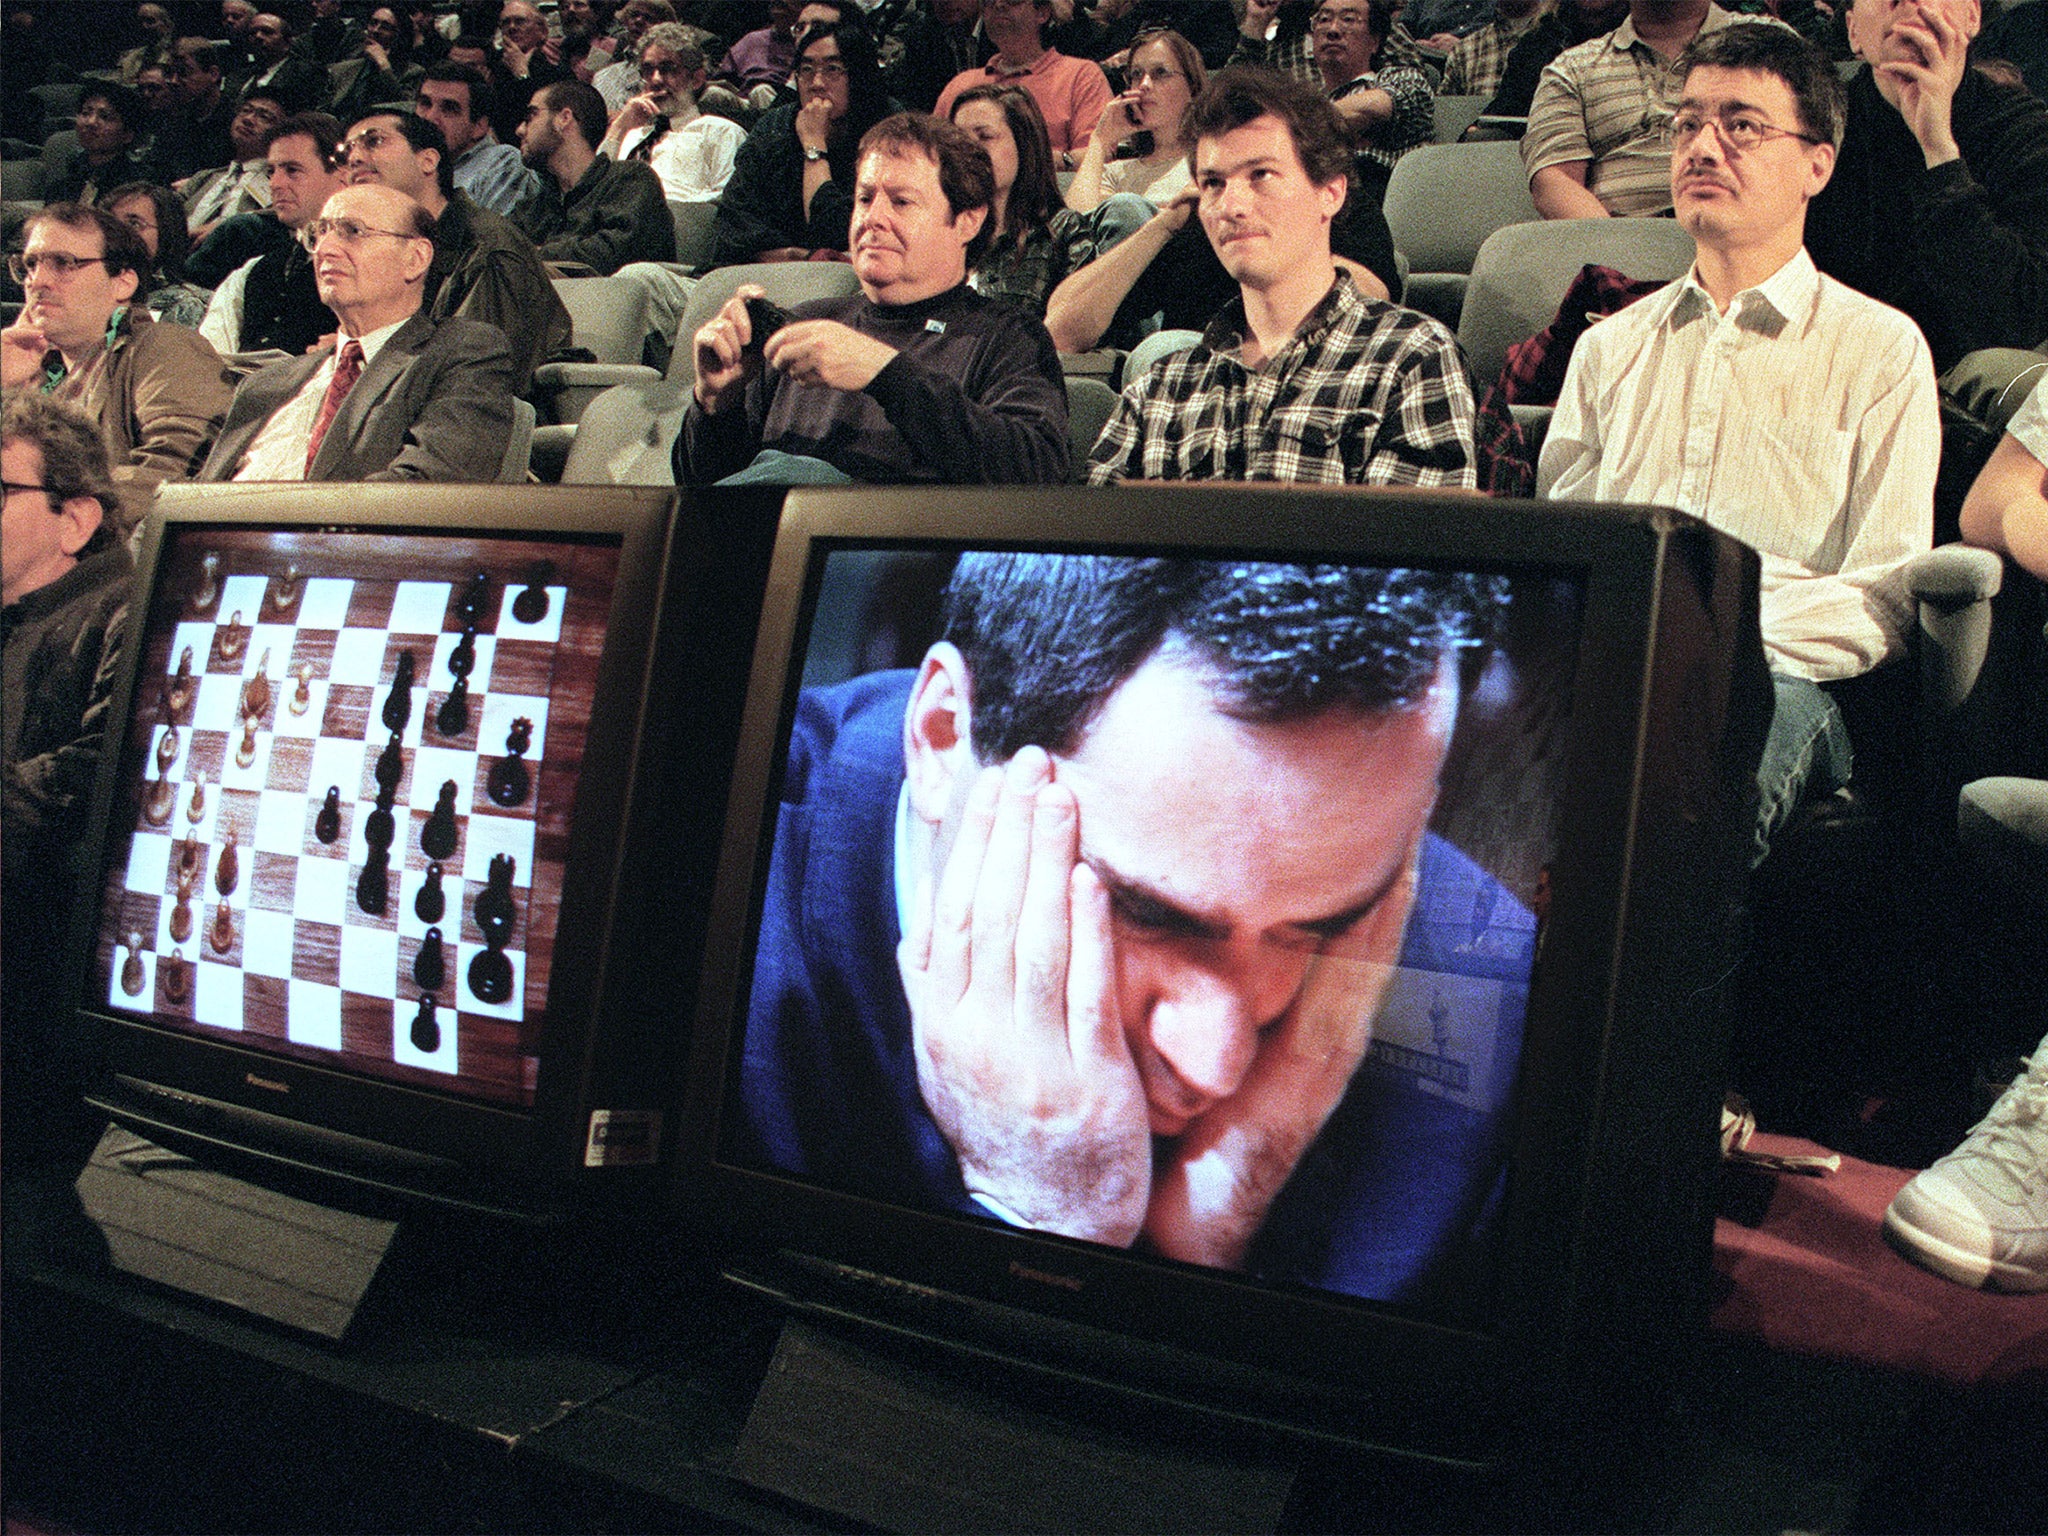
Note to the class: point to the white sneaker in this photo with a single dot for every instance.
(1980, 1214)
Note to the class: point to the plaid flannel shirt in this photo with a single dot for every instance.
(1475, 66)
(1365, 394)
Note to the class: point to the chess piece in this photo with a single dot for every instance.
(131, 968)
(390, 764)
(178, 693)
(426, 1030)
(196, 806)
(432, 901)
(284, 593)
(490, 973)
(493, 909)
(379, 828)
(245, 749)
(223, 936)
(256, 692)
(471, 608)
(181, 914)
(161, 801)
(428, 967)
(437, 837)
(462, 660)
(227, 874)
(327, 825)
(209, 584)
(302, 696)
(167, 749)
(189, 861)
(373, 888)
(531, 605)
(453, 717)
(234, 639)
(509, 780)
(398, 703)
(173, 976)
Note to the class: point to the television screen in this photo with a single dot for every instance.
(1216, 922)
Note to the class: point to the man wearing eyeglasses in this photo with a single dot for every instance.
(691, 151)
(157, 392)
(399, 395)
(1777, 404)
(589, 210)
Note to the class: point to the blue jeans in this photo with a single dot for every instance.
(772, 466)
(1805, 756)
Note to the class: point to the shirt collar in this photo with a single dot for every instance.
(1225, 333)
(373, 343)
(1789, 294)
(1624, 37)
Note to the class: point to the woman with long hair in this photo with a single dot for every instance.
(157, 216)
(1166, 73)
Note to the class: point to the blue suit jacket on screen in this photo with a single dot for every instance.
(1387, 1203)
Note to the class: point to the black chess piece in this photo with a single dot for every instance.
(426, 1029)
(373, 888)
(531, 605)
(380, 828)
(493, 908)
(453, 717)
(437, 837)
(398, 704)
(428, 968)
(462, 660)
(509, 779)
(391, 764)
(432, 901)
(490, 974)
(327, 825)
(475, 596)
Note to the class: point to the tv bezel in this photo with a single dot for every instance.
(237, 1103)
(1606, 1233)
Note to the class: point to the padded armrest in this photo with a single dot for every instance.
(591, 376)
(1954, 575)
(1952, 587)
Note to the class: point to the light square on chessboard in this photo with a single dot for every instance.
(337, 762)
(217, 993)
(434, 766)
(233, 775)
(415, 722)
(419, 607)
(267, 943)
(358, 657)
(243, 593)
(405, 1053)
(149, 861)
(500, 710)
(547, 631)
(514, 1006)
(479, 674)
(322, 891)
(456, 893)
(369, 960)
(116, 996)
(324, 602)
(313, 1015)
(489, 834)
(217, 703)
(156, 739)
(284, 824)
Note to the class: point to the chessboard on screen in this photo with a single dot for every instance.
(345, 795)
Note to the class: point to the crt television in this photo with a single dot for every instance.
(1474, 1046)
(386, 803)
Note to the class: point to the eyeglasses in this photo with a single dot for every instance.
(56, 263)
(1738, 130)
(831, 69)
(1350, 20)
(1157, 76)
(16, 485)
(370, 139)
(347, 231)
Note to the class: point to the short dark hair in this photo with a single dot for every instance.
(173, 238)
(123, 248)
(1243, 94)
(581, 102)
(420, 134)
(202, 51)
(1770, 49)
(1035, 194)
(126, 104)
(321, 127)
(74, 456)
(867, 95)
(965, 174)
(1048, 638)
(481, 97)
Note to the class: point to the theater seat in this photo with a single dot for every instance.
(1089, 404)
(1442, 201)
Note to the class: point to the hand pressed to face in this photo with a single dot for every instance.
(1918, 50)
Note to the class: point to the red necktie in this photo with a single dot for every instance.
(348, 366)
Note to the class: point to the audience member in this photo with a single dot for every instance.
(1070, 93)
(156, 392)
(620, 80)
(483, 267)
(398, 395)
(236, 18)
(586, 36)
(271, 302)
(1386, 104)
(690, 151)
(108, 124)
(457, 99)
(278, 67)
(155, 22)
(590, 210)
(2007, 508)
(1112, 28)
(1280, 34)
(791, 188)
(1166, 73)
(1779, 405)
(377, 72)
(1595, 143)
(919, 379)
(757, 64)
(1443, 24)
(329, 37)
(936, 42)
(158, 219)
(199, 135)
(1564, 25)
(241, 185)
(525, 61)
(1329, 385)
(64, 580)
(1479, 58)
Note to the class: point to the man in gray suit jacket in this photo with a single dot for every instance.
(399, 396)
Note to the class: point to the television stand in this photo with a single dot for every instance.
(171, 1220)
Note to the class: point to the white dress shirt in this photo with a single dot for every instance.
(1803, 422)
(694, 158)
(278, 450)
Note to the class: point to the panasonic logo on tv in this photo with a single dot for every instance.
(1044, 1277)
